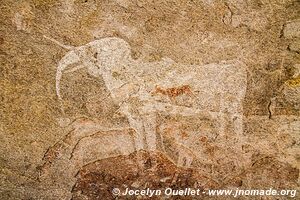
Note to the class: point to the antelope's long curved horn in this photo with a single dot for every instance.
(59, 43)
(70, 58)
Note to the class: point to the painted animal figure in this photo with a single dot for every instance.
(139, 87)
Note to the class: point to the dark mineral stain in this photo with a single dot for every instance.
(139, 170)
(142, 170)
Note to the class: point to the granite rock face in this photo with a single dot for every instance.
(97, 95)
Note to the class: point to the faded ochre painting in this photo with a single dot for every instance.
(119, 99)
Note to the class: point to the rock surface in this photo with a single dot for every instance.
(148, 94)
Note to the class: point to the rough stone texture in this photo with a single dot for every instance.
(115, 93)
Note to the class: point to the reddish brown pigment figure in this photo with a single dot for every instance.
(173, 92)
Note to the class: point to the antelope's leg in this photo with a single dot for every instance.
(221, 116)
(69, 59)
(236, 117)
(136, 123)
(150, 130)
(185, 158)
(188, 160)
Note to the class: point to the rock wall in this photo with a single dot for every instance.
(117, 93)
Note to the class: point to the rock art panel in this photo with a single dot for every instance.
(148, 94)
(160, 86)
(182, 115)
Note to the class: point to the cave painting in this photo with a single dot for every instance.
(142, 89)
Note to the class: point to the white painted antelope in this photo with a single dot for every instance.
(141, 89)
